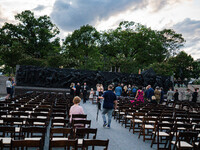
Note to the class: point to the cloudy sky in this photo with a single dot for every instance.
(181, 15)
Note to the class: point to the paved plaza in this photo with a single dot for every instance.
(119, 136)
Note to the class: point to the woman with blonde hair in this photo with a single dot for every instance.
(76, 108)
(72, 90)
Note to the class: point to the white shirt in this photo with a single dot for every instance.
(8, 84)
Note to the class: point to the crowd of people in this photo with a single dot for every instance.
(140, 93)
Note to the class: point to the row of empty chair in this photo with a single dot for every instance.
(168, 126)
(42, 120)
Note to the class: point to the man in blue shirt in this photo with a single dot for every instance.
(150, 93)
(110, 102)
(118, 90)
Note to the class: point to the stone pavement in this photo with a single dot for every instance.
(119, 137)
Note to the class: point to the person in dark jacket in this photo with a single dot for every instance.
(176, 94)
(194, 96)
(78, 89)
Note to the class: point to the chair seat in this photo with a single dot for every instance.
(197, 143)
(59, 118)
(199, 135)
(80, 141)
(122, 113)
(161, 133)
(1, 121)
(6, 140)
(58, 124)
(148, 126)
(59, 139)
(39, 123)
(17, 129)
(183, 144)
(33, 139)
(165, 122)
(42, 117)
(129, 116)
(138, 120)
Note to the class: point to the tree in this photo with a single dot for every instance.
(82, 48)
(36, 38)
(183, 65)
(138, 43)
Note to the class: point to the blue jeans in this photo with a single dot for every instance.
(109, 113)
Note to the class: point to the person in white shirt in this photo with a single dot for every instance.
(8, 87)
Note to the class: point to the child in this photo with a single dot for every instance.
(91, 95)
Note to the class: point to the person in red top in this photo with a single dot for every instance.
(140, 95)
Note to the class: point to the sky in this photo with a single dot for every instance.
(183, 16)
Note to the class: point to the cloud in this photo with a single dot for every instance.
(2, 19)
(39, 8)
(190, 29)
(70, 15)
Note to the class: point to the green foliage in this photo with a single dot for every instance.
(129, 47)
(183, 65)
(163, 68)
(82, 48)
(32, 38)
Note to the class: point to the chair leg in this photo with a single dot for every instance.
(153, 139)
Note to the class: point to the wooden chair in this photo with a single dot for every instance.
(79, 116)
(61, 133)
(59, 123)
(37, 122)
(128, 117)
(163, 130)
(58, 116)
(186, 140)
(6, 134)
(149, 125)
(102, 143)
(136, 121)
(16, 144)
(64, 144)
(84, 133)
(81, 124)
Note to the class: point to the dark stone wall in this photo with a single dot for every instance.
(62, 78)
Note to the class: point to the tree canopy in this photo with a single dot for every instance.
(128, 48)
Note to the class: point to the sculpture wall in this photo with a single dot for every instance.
(62, 78)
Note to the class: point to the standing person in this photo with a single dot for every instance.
(170, 95)
(78, 89)
(134, 91)
(194, 96)
(110, 103)
(150, 92)
(84, 91)
(76, 109)
(188, 95)
(98, 89)
(140, 95)
(129, 90)
(8, 87)
(118, 90)
(176, 94)
(91, 96)
(125, 90)
(157, 94)
(72, 90)
(161, 95)
(13, 87)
